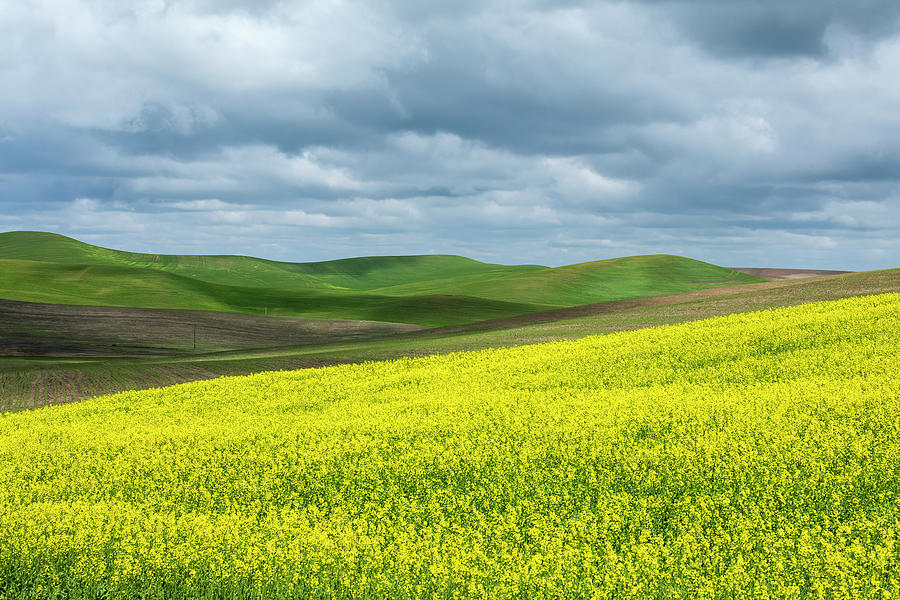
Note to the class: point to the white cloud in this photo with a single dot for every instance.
(89, 215)
(210, 204)
(575, 179)
(852, 214)
(93, 64)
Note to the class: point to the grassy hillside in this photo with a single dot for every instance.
(424, 290)
(101, 285)
(359, 274)
(586, 283)
(751, 456)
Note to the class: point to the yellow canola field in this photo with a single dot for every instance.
(749, 456)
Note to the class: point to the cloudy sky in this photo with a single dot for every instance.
(742, 132)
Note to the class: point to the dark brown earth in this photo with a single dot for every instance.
(35, 329)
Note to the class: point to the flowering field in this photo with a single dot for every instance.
(754, 455)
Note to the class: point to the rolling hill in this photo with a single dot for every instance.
(363, 274)
(101, 285)
(431, 290)
(586, 283)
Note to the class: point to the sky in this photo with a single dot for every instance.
(748, 133)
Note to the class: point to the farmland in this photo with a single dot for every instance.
(32, 383)
(65, 330)
(43, 387)
(98, 343)
(496, 300)
(753, 455)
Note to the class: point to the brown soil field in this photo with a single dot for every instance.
(781, 274)
(34, 329)
(55, 386)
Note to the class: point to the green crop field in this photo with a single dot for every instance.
(422, 290)
(755, 455)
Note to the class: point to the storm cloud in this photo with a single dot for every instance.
(761, 133)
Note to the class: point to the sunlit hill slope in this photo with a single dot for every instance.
(428, 290)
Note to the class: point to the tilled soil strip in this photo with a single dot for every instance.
(37, 390)
(59, 390)
(82, 386)
(69, 381)
(158, 377)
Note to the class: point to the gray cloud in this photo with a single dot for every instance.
(772, 29)
(760, 133)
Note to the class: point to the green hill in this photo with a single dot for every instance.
(587, 283)
(366, 273)
(61, 283)
(428, 290)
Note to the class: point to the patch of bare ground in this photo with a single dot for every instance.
(103, 382)
(32, 392)
(61, 330)
(158, 376)
(781, 274)
(82, 386)
(187, 373)
(37, 390)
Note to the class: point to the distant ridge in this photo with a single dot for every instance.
(430, 290)
(363, 273)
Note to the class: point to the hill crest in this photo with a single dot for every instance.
(429, 290)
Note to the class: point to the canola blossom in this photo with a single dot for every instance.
(750, 456)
